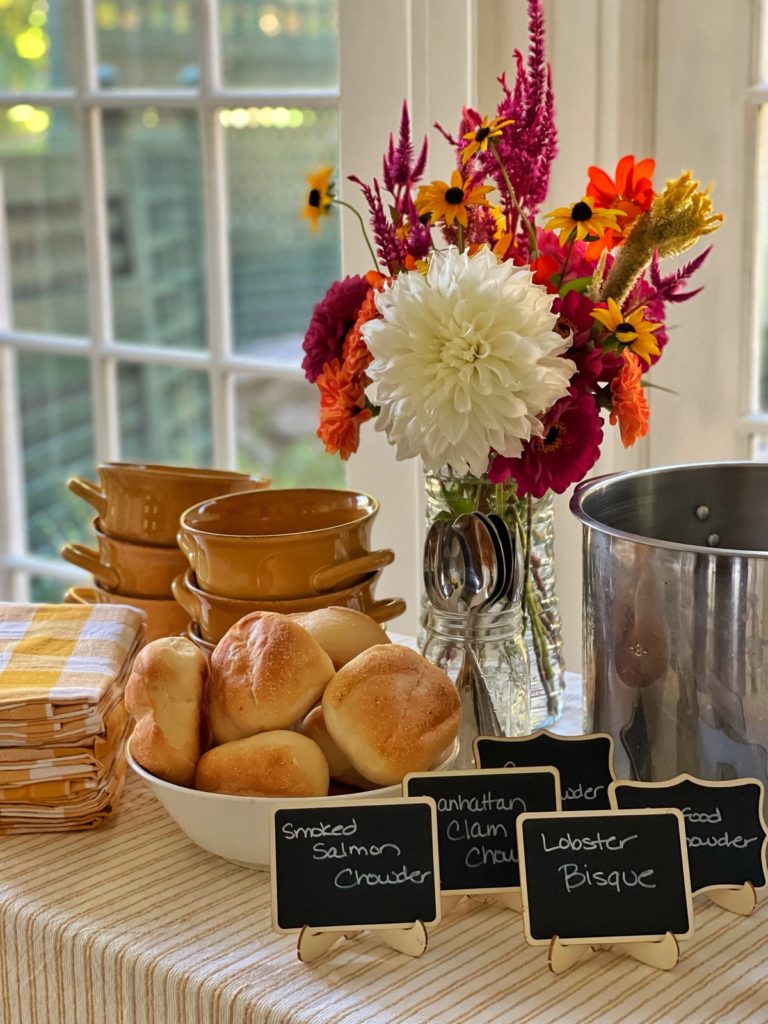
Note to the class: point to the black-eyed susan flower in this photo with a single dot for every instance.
(482, 135)
(632, 332)
(584, 218)
(319, 198)
(451, 201)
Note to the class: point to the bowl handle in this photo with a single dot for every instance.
(383, 611)
(89, 560)
(187, 548)
(183, 597)
(335, 576)
(89, 492)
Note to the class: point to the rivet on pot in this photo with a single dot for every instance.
(702, 513)
(713, 540)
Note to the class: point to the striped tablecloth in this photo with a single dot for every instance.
(133, 923)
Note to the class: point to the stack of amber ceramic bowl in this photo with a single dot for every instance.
(136, 557)
(291, 550)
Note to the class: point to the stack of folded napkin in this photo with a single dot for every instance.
(63, 727)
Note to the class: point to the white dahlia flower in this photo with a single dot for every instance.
(465, 359)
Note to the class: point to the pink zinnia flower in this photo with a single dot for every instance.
(573, 311)
(565, 453)
(332, 318)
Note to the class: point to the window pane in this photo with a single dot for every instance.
(46, 590)
(279, 269)
(165, 415)
(146, 43)
(40, 166)
(57, 435)
(292, 43)
(276, 424)
(155, 215)
(37, 44)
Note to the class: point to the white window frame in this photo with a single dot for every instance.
(103, 352)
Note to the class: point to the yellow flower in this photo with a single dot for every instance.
(479, 138)
(681, 214)
(632, 332)
(583, 218)
(451, 201)
(319, 198)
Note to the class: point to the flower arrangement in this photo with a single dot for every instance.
(486, 337)
(482, 339)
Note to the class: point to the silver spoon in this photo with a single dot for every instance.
(481, 575)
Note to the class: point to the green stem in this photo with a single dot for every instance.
(459, 237)
(348, 206)
(534, 249)
(571, 240)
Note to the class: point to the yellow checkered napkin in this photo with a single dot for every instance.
(60, 653)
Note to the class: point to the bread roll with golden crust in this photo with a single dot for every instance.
(266, 673)
(279, 763)
(339, 765)
(343, 633)
(391, 712)
(165, 693)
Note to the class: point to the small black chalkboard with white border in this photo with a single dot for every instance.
(600, 877)
(585, 763)
(476, 816)
(345, 865)
(725, 827)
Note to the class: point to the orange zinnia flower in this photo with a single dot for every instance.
(631, 192)
(342, 408)
(355, 353)
(629, 407)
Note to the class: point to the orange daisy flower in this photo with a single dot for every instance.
(629, 407)
(342, 408)
(630, 192)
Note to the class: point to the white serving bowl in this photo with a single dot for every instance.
(235, 827)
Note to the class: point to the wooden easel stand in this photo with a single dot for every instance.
(314, 942)
(662, 955)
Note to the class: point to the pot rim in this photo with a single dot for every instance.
(601, 484)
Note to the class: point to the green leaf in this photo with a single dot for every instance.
(578, 284)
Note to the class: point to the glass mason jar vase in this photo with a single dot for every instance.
(485, 656)
(448, 495)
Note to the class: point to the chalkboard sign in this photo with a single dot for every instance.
(343, 864)
(725, 829)
(585, 763)
(604, 876)
(476, 815)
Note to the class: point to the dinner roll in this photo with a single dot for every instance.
(343, 633)
(339, 765)
(266, 673)
(279, 763)
(391, 712)
(165, 694)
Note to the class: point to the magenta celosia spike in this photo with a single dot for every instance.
(537, 65)
(667, 289)
(421, 163)
(387, 245)
(404, 145)
(390, 165)
(446, 135)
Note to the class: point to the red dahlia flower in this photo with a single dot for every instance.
(332, 318)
